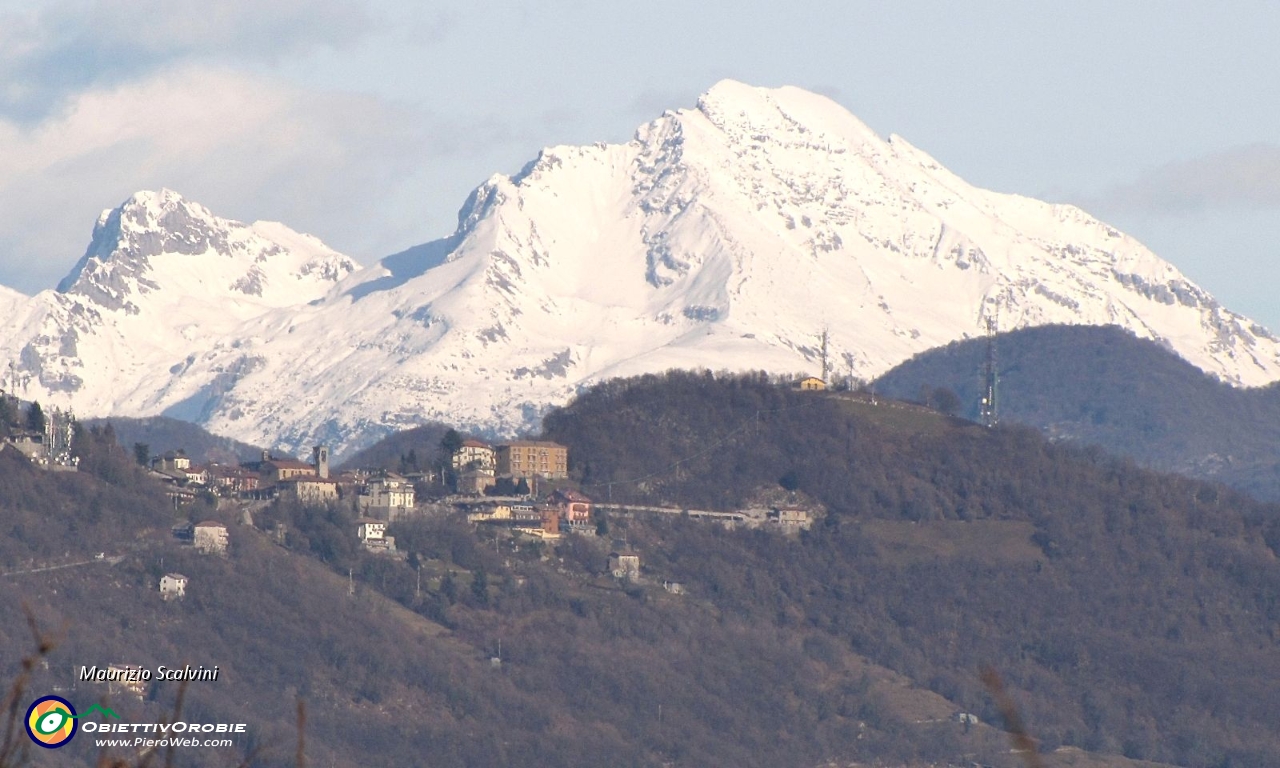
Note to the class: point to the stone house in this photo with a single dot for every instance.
(310, 489)
(386, 496)
(172, 461)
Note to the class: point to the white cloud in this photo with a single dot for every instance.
(1238, 178)
(246, 146)
(49, 53)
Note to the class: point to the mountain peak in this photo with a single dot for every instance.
(145, 224)
(158, 236)
(754, 112)
(724, 236)
(157, 208)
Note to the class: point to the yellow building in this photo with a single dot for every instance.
(812, 384)
(532, 458)
(278, 470)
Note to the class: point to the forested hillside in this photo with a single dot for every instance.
(1103, 386)
(399, 672)
(160, 434)
(1134, 612)
(1130, 613)
(410, 450)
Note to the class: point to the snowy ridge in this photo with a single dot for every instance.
(724, 236)
(162, 280)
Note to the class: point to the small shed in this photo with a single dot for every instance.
(811, 384)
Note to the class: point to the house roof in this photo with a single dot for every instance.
(530, 444)
(176, 576)
(475, 444)
(210, 524)
(568, 494)
(287, 464)
(369, 520)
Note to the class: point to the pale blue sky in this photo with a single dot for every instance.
(367, 124)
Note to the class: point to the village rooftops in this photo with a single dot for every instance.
(387, 475)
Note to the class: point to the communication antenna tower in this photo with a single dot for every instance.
(990, 389)
(826, 370)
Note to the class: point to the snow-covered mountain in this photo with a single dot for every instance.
(725, 236)
(163, 280)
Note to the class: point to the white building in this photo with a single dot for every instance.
(173, 585)
(624, 565)
(474, 455)
(373, 534)
(210, 537)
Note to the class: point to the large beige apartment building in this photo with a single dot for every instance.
(532, 458)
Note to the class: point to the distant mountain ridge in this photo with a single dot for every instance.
(727, 236)
(162, 434)
(1105, 387)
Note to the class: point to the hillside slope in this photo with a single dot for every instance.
(1132, 612)
(389, 678)
(1129, 612)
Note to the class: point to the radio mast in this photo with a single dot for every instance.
(990, 390)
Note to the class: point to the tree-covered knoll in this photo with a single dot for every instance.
(1103, 386)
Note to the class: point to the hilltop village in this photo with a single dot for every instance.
(519, 487)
